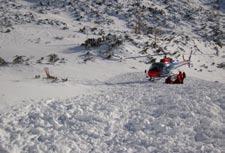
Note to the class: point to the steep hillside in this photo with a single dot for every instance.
(82, 35)
(177, 26)
(72, 76)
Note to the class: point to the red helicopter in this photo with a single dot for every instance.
(163, 69)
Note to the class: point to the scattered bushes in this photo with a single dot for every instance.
(105, 44)
(20, 60)
(51, 59)
(221, 65)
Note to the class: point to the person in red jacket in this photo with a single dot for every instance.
(179, 79)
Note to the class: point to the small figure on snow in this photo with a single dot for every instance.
(179, 78)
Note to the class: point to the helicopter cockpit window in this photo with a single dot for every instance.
(156, 66)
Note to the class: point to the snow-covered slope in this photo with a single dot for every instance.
(102, 101)
(128, 115)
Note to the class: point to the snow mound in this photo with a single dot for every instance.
(129, 115)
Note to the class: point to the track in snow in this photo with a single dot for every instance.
(128, 116)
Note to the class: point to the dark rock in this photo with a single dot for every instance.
(82, 30)
(92, 42)
(59, 38)
(221, 65)
(8, 31)
(93, 29)
(40, 60)
(204, 66)
(65, 28)
(52, 58)
(64, 79)
(2, 62)
(37, 76)
(20, 59)
(109, 40)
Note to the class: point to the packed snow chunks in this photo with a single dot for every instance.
(104, 44)
(2, 150)
(2, 62)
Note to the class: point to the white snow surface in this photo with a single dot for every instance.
(129, 114)
(107, 105)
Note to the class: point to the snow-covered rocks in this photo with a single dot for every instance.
(56, 23)
(91, 42)
(20, 60)
(2, 62)
(221, 65)
(104, 45)
(11, 14)
(110, 40)
(51, 59)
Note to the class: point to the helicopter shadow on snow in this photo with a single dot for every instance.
(116, 83)
(128, 82)
(136, 78)
(75, 49)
